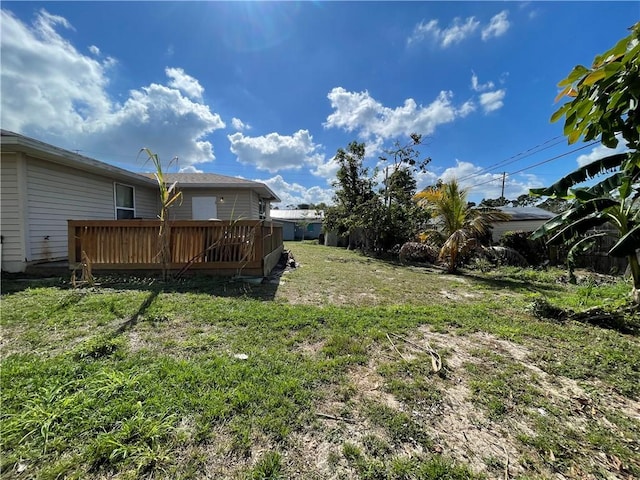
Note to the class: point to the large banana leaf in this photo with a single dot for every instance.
(573, 214)
(571, 232)
(603, 188)
(628, 244)
(598, 167)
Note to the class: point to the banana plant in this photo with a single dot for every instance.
(604, 104)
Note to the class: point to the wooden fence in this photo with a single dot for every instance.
(249, 247)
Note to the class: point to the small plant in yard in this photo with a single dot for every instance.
(269, 467)
(169, 195)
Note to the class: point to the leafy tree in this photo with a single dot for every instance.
(354, 192)
(402, 216)
(379, 218)
(494, 202)
(456, 226)
(555, 204)
(525, 200)
(604, 105)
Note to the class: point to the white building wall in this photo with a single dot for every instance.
(58, 193)
(500, 228)
(11, 222)
(237, 204)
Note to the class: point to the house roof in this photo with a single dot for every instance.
(214, 180)
(14, 142)
(527, 213)
(298, 215)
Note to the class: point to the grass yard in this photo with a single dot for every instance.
(324, 373)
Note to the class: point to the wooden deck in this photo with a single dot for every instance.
(246, 247)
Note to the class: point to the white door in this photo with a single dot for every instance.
(204, 208)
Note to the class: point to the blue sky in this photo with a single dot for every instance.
(270, 91)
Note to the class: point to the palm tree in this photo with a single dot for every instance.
(457, 225)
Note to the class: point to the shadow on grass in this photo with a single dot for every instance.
(502, 282)
(199, 284)
(133, 319)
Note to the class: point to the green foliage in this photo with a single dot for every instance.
(376, 219)
(460, 225)
(605, 96)
(494, 202)
(534, 251)
(605, 105)
(269, 467)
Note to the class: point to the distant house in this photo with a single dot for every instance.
(524, 219)
(43, 186)
(208, 196)
(299, 224)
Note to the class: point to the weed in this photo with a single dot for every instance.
(400, 426)
(269, 467)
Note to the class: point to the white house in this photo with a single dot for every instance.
(43, 186)
(523, 219)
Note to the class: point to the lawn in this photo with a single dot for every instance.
(324, 372)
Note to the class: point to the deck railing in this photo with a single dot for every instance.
(243, 246)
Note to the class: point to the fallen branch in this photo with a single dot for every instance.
(394, 347)
(333, 417)
(436, 361)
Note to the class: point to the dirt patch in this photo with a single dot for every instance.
(311, 349)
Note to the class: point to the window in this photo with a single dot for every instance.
(125, 205)
(262, 209)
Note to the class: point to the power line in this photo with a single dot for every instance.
(514, 158)
(536, 164)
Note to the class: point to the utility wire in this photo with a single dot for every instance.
(536, 164)
(514, 158)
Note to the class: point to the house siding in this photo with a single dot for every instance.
(500, 228)
(237, 205)
(12, 225)
(57, 193)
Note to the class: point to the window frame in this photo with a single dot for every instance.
(262, 208)
(115, 200)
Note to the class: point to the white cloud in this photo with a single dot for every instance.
(94, 50)
(497, 27)
(55, 93)
(274, 152)
(358, 111)
(185, 83)
(454, 33)
(239, 125)
(458, 30)
(327, 170)
(295, 194)
(601, 151)
(480, 87)
(190, 169)
(492, 101)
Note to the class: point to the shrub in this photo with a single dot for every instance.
(534, 251)
(418, 252)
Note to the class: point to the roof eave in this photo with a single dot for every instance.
(13, 142)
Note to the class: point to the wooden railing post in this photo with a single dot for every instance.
(71, 242)
(258, 252)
